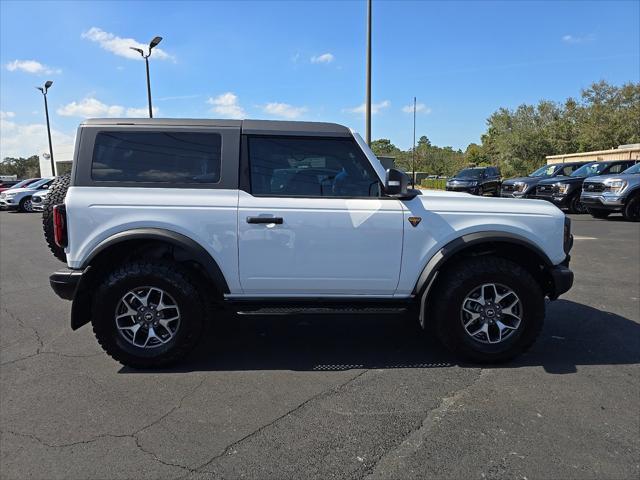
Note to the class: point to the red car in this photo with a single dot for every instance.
(6, 185)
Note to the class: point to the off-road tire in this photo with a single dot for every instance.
(171, 278)
(631, 210)
(56, 195)
(599, 213)
(25, 205)
(456, 283)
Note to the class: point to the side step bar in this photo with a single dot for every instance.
(310, 310)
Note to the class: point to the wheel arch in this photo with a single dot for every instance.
(503, 244)
(149, 243)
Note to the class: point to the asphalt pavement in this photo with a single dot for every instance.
(319, 397)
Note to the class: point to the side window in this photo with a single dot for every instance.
(310, 167)
(159, 156)
(616, 168)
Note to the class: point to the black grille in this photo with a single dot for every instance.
(545, 189)
(508, 188)
(593, 187)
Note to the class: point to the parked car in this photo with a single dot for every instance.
(477, 181)
(20, 198)
(9, 184)
(564, 192)
(525, 187)
(37, 200)
(606, 194)
(266, 218)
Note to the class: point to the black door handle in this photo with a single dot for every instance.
(276, 220)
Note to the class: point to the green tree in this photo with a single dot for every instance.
(22, 167)
(383, 146)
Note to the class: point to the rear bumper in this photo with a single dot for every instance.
(65, 283)
(562, 278)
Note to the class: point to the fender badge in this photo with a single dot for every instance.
(414, 220)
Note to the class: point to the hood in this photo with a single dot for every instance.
(561, 179)
(19, 190)
(509, 181)
(441, 201)
(41, 193)
(602, 178)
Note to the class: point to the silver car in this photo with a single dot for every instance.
(37, 200)
(20, 198)
(620, 192)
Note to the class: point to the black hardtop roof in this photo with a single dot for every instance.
(256, 127)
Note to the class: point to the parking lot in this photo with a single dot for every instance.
(346, 397)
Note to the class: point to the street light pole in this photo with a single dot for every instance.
(368, 87)
(44, 90)
(153, 43)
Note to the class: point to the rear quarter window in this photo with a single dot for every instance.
(157, 157)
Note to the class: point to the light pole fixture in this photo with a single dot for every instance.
(367, 107)
(155, 41)
(44, 90)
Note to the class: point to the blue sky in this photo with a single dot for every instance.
(305, 61)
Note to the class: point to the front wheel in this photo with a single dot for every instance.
(25, 205)
(147, 314)
(575, 205)
(487, 309)
(631, 210)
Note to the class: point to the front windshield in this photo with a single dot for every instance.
(634, 169)
(39, 183)
(545, 171)
(590, 169)
(21, 183)
(469, 173)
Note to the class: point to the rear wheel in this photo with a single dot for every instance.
(631, 210)
(599, 213)
(487, 309)
(55, 196)
(147, 315)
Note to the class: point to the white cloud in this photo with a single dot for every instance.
(91, 107)
(283, 110)
(324, 58)
(24, 140)
(31, 66)
(375, 107)
(4, 115)
(227, 106)
(420, 108)
(121, 46)
(576, 39)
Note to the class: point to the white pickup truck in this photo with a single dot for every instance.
(164, 221)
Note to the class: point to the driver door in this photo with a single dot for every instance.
(312, 221)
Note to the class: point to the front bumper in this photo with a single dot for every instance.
(560, 201)
(471, 190)
(603, 202)
(514, 194)
(7, 204)
(65, 283)
(562, 278)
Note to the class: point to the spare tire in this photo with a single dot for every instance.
(57, 192)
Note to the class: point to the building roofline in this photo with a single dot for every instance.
(595, 152)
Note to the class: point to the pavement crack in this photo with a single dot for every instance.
(415, 437)
(58, 354)
(255, 432)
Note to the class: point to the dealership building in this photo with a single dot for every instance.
(623, 152)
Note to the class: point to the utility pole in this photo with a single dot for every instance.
(44, 90)
(368, 88)
(413, 175)
(153, 43)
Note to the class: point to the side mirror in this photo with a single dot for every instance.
(396, 183)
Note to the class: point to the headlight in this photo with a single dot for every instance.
(614, 185)
(9, 195)
(562, 188)
(520, 187)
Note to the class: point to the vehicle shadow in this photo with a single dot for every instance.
(574, 335)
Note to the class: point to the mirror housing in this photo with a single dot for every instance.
(396, 185)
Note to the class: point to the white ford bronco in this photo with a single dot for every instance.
(163, 222)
